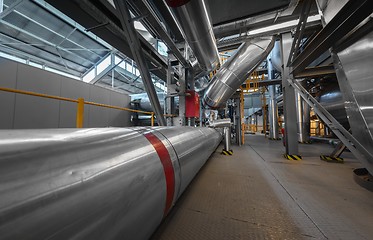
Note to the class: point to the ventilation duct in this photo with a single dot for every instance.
(236, 70)
(194, 20)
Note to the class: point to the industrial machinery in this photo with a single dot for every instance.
(96, 183)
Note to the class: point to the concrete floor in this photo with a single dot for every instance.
(257, 194)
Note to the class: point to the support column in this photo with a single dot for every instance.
(290, 116)
(132, 38)
(182, 92)
(170, 101)
(112, 58)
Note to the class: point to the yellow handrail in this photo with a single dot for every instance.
(80, 101)
(37, 94)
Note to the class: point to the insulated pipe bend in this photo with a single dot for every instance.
(236, 70)
(108, 183)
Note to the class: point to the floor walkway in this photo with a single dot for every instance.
(257, 194)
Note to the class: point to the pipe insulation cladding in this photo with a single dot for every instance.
(236, 70)
(107, 183)
(195, 22)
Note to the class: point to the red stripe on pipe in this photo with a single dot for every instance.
(176, 3)
(167, 168)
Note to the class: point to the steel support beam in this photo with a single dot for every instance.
(233, 43)
(10, 9)
(352, 14)
(105, 72)
(290, 116)
(264, 83)
(316, 71)
(49, 63)
(150, 16)
(92, 13)
(298, 36)
(133, 40)
(47, 43)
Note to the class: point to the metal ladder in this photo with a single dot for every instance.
(357, 149)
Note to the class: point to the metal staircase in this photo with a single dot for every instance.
(357, 149)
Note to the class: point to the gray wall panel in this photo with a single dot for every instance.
(118, 117)
(8, 79)
(35, 112)
(98, 116)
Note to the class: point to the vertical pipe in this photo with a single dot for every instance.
(303, 119)
(272, 105)
(299, 109)
(273, 114)
(80, 113)
(227, 138)
(306, 121)
(201, 113)
(152, 120)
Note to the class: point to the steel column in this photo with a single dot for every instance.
(290, 116)
(131, 34)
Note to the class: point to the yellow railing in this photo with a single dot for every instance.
(80, 104)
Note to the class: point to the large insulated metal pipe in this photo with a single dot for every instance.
(236, 70)
(332, 100)
(195, 22)
(108, 183)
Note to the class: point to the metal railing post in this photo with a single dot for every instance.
(152, 122)
(80, 113)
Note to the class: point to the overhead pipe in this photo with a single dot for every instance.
(236, 70)
(262, 20)
(104, 183)
(195, 22)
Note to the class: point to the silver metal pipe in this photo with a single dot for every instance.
(108, 183)
(227, 138)
(219, 123)
(236, 70)
(272, 105)
(273, 113)
(257, 21)
(195, 22)
(303, 118)
(306, 121)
